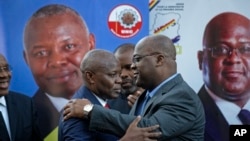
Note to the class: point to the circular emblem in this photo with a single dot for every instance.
(124, 21)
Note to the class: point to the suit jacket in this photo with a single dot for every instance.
(216, 128)
(22, 118)
(120, 104)
(78, 129)
(47, 114)
(175, 107)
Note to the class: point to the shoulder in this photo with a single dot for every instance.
(18, 95)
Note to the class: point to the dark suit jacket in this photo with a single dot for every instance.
(77, 129)
(47, 114)
(22, 118)
(120, 104)
(175, 107)
(216, 128)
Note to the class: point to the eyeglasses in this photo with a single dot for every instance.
(226, 51)
(7, 68)
(137, 58)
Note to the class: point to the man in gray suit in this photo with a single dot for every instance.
(168, 100)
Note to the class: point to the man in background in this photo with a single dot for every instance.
(225, 65)
(18, 117)
(129, 92)
(100, 73)
(102, 81)
(55, 40)
(167, 101)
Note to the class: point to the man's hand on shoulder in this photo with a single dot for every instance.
(75, 108)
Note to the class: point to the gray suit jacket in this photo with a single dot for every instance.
(175, 107)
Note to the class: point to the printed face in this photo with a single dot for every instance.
(127, 74)
(5, 76)
(55, 46)
(226, 60)
(108, 81)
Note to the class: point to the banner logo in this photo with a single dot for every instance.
(124, 21)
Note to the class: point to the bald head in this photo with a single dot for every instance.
(224, 60)
(158, 53)
(101, 73)
(225, 24)
(124, 48)
(158, 43)
(98, 60)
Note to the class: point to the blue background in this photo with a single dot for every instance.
(15, 13)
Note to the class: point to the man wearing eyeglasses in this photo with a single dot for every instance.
(225, 65)
(18, 119)
(168, 100)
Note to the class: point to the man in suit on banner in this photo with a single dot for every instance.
(56, 38)
(225, 65)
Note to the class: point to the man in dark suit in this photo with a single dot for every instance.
(168, 100)
(18, 117)
(225, 65)
(101, 75)
(129, 92)
(55, 38)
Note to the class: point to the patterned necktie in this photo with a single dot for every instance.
(244, 116)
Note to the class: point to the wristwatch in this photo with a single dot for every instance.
(87, 109)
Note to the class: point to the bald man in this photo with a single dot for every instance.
(225, 65)
(55, 40)
(18, 117)
(101, 76)
(168, 100)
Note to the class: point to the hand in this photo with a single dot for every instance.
(135, 133)
(133, 97)
(74, 108)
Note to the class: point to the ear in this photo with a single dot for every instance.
(25, 58)
(200, 58)
(91, 41)
(160, 59)
(90, 76)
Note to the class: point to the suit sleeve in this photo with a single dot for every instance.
(176, 114)
(74, 129)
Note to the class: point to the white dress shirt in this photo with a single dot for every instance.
(229, 109)
(58, 102)
(3, 109)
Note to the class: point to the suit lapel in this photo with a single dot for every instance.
(216, 128)
(12, 109)
(90, 96)
(162, 91)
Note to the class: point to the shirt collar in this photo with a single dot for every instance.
(103, 102)
(151, 94)
(3, 101)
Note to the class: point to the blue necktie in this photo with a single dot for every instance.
(141, 105)
(244, 116)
